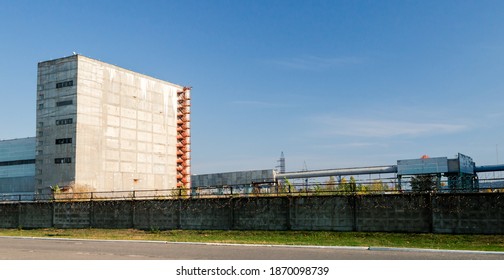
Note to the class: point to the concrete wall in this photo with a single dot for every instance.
(444, 213)
(334, 213)
(36, 215)
(396, 213)
(9, 215)
(49, 95)
(470, 213)
(206, 213)
(73, 214)
(256, 214)
(157, 214)
(112, 214)
(126, 129)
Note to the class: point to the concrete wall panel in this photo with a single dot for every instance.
(322, 213)
(9, 215)
(395, 213)
(469, 213)
(112, 214)
(36, 215)
(72, 214)
(444, 213)
(261, 213)
(157, 214)
(206, 213)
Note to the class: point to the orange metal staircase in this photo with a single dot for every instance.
(184, 138)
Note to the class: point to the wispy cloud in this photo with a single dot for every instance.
(345, 145)
(315, 62)
(259, 104)
(386, 128)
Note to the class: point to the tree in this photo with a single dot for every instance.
(353, 184)
(343, 185)
(377, 187)
(331, 184)
(422, 183)
(347, 187)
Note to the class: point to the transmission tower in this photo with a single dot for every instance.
(281, 163)
(305, 168)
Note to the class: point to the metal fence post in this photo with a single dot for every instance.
(431, 213)
(290, 205)
(354, 208)
(232, 212)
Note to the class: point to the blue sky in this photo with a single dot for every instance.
(329, 83)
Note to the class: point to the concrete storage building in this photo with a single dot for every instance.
(241, 182)
(17, 168)
(104, 128)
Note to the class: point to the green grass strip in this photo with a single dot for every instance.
(318, 238)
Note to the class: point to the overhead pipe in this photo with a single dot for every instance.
(489, 168)
(366, 171)
(338, 172)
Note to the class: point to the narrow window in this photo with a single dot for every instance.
(17, 162)
(62, 160)
(64, 84)
(64, 121)
(63, 141)
(64, 103)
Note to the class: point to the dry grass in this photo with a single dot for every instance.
(74, 192)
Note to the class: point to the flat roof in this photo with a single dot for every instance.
(80, 56)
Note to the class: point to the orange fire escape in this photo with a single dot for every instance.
(184, 138)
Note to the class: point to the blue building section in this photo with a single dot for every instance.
(239, 182)
(17, 168)
(422, 166)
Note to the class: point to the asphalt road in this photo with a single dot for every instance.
(14, 248)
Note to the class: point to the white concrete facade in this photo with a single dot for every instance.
(104, 128)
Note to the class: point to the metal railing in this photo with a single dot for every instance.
(383, 186)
